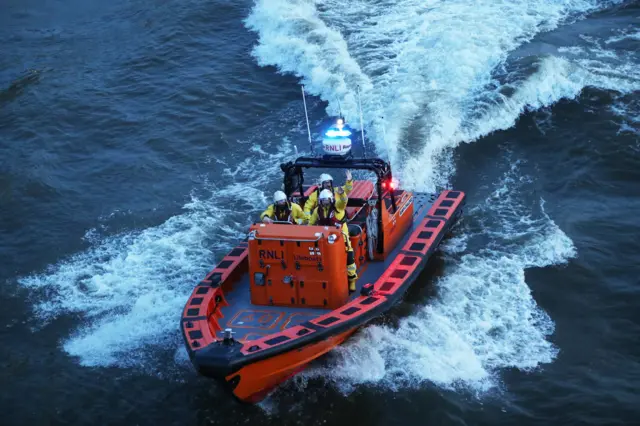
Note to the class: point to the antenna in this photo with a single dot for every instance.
(340, 109)
(364, 146)
(384, 132)
(384, 137)
(306, 115)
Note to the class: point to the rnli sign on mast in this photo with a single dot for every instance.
(337, 139)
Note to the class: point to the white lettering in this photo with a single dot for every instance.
(339, 146)
(406, 206)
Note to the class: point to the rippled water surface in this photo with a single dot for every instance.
(139, 140)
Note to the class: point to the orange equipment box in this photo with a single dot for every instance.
(301, 266)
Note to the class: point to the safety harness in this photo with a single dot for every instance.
(282, 214)
(331, 218)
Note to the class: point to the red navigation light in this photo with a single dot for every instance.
(390, 184)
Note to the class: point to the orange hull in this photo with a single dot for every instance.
(254, 382)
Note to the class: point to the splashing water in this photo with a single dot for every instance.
(429, 62)
(425, 69)
(483, 318)
(131, 288)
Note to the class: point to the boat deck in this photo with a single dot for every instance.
(250, 322)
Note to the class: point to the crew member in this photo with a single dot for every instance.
(282, 210)
(326, 182)
(332, 213)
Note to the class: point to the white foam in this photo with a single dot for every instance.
(130, 289)
(556, 78)
(425, 61)
(600, 64)
(432, 63)
(627, 110)
(634, 34)
(483, 317)
(412, 58)
(604, 66)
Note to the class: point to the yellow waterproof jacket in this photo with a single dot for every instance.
(296, 214)
(340, 205)
(312, 201)
(340, 214)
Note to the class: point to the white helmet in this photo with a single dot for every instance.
(325, 194)
(279, 196)
(324, 178)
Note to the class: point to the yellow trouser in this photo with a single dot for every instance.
(352, 275)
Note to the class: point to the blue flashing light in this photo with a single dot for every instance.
(337, 133)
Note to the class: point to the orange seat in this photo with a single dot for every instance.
(362, 189)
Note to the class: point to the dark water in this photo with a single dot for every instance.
(138, 140)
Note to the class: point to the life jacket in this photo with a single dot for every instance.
(330, 219)
(283, 214)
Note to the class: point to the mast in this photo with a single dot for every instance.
(364, 146)
(306, 115)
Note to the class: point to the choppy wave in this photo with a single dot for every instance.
(484, 317)
(428, 72)
(130, 289)
(415, 61)
(624, 35)
(426, 69)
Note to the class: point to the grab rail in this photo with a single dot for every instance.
(358, 226)
(253, 236)
(259, 222)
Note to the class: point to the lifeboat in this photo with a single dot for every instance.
(280, 298)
